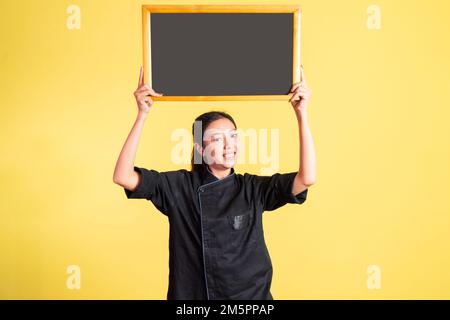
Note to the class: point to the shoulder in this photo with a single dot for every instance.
(250, 179)
(164, 177)
(176, 175)
(255, 178)
(273, 180)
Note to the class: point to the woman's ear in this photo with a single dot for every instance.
(198, 148)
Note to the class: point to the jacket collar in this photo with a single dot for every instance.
(208, 176)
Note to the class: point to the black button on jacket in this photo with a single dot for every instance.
(216, 240)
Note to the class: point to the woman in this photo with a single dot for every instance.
(216, 243)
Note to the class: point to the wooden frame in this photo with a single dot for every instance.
(146, 34)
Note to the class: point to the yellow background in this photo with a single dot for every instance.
(379, 117)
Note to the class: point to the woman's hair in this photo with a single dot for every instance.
(205, 119)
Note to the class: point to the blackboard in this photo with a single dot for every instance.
(221, 52)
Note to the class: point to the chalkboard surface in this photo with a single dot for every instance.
(221, 54)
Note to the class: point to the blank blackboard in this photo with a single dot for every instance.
(221, 52)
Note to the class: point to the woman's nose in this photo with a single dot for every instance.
(229, 143)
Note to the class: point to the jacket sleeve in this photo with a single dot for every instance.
(158, 187)
(275, 191)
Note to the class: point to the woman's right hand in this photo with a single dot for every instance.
(143, 93)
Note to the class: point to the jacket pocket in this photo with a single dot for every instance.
(242, 230)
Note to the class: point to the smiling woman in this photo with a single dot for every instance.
(215, 143)
(216, 240)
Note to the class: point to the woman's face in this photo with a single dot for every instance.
(220, 142)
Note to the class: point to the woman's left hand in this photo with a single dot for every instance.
(302, 94)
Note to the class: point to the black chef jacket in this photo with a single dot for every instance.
(216, 241)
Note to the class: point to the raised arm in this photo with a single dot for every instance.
(124, 174)
(306, 175)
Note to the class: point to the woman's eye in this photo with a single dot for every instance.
(234, 135)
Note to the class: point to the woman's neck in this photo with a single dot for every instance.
(220, 174)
